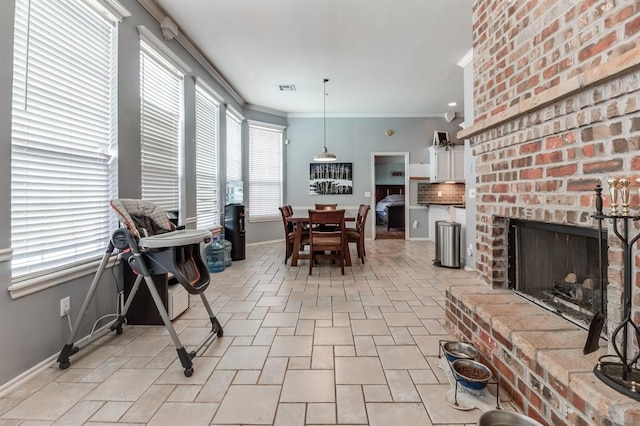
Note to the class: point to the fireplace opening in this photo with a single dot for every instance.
(558, 267)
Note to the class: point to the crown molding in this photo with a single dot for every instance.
(265, 110)
(159, 15)
(466, 59)
(369, 115)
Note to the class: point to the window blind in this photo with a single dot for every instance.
(265, 170)
(207, 204)
(234, 147)
(161, 100)
(63, 135)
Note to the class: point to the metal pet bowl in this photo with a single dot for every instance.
(505, 418)
(458, 350)
(463, 369)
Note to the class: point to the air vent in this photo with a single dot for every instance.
(287, 87)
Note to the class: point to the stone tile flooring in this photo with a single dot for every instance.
(297, 349)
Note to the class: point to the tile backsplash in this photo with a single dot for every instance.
(450, 193)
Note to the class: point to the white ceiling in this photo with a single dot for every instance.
(382, 57)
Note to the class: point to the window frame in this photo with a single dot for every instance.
(259, 180)
(233, 115)
(164, 57)
(215, 98)
(112, 13)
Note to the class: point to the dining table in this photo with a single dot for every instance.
(299, 219)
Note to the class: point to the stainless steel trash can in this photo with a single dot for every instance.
(447, 244)
(438, 256)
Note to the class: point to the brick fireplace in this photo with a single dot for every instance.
(557, 111)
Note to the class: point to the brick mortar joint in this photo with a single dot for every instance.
(625, 64)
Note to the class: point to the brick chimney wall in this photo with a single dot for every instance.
(523, 48)
(557, 106)
(557, 110)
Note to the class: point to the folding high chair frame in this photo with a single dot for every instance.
(176, 252)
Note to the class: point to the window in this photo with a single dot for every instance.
(161, 122)
(63, 135)
(207, 201)
(265, 170)
(234, 145)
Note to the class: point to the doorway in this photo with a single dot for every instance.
(389, 198)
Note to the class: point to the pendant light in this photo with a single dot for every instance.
(325, 156)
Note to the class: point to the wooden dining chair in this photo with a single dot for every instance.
(356, 235)
(326, 206)
(289, 232)
(333, 241)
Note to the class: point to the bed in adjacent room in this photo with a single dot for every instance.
(390, 206)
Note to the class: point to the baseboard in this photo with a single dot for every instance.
(24, 377)
(419, 239)
(262, 243)
(9, 386)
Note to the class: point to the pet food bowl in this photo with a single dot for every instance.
(505, 418)
(471, 374)
(458, 350)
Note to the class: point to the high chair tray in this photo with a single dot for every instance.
(182, 237)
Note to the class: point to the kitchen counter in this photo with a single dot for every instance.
(457, 205)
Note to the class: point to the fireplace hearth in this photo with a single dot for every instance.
(557, 267)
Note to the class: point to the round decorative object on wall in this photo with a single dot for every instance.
(388, 132)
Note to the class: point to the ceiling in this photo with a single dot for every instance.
(382, 57)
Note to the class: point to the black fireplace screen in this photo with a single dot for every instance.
(557, 266)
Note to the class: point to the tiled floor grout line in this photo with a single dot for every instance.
(381, 320)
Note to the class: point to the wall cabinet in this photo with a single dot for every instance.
(447, 165)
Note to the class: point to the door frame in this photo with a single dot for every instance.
(372, 203)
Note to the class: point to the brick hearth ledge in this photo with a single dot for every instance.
(537, 354)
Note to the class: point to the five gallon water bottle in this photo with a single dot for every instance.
(215, 256)
(227, 251)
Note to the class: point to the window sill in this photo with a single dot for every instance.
(33, 285)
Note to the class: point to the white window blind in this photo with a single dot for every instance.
(63, 135)
(207, 204)
(161, 127)
(234, 147)
(265, 170)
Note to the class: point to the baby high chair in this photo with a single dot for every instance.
(149, 243)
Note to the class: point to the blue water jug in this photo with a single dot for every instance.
(227, 251)
(215, 256)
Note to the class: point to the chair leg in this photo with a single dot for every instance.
(311, 260)
(341, 253)
(361, 250)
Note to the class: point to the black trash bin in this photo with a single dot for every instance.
(234, 231)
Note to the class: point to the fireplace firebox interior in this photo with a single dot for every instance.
(558, 267)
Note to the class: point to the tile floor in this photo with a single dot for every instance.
(297, 350)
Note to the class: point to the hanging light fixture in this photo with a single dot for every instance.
(325, 155)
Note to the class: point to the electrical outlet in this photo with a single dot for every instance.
(415, 224)
(472, 193)
(65, 306)
(439, 193)
(367, 194)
